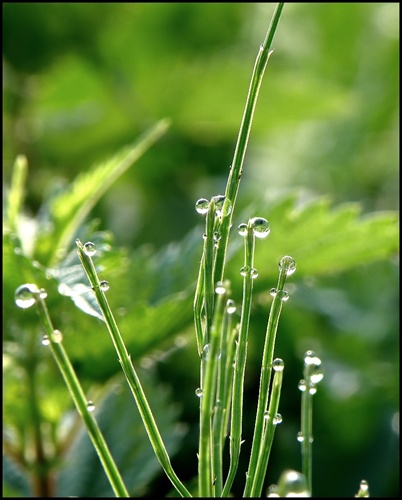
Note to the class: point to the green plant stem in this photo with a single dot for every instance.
(198, 302)
(222, 400)
(268, 436)
(81, 404)
(266, 371)
(236, 168)
(240, 361)
(307, 430)
(209, 284)
(208, 403)
(130, 374)
(41, 479)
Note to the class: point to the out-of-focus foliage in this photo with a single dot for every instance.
(83, 80)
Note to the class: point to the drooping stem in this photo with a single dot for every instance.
(130, 373)
(81, 404)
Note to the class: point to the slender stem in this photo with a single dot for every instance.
(130, 374)
(240, 360)
(209, 255)
(236, 168)
(266, 371)
(198, 302)
(268, 436)
(307, 430)
(208, 404)
(81, 404)
(41, 476)
(222, 400)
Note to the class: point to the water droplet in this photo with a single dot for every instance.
(206, 352)
(302, 385)
(202, 205)
(242, 229)
(26, 295)
(57, 336)
(364, 485)
(90, 406)
(278, 364)
(260, 226)
(293, 484)
(230, 306)
(266, 414)
(220, 288)
(273, 292)
(363, 489)
(104, 286)
(277, 419)
(254, 273)
(283, 295)
(45, 340)
(217, 236)
(288, 265)
(199, 392)
(273, 491)
(219, 200)
(300, 437)
(244, 270)
(313, 368)
(89, 248)
(312, 389)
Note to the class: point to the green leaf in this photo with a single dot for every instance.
(121, 425)
(322, 239)
(68, 209)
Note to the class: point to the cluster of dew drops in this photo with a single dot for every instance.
(313, 374)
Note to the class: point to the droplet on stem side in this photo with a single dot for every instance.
(90, 406)
(277, 419)
(302, 385)
(260, 227)
(230, 306)
(244, 270)
(26, 295)
(206, 352)
(253, 273)
(202, 205)
(104, 286)
(242, 229)
(220, 288)
(199, 392)
(45, 340)
(219, 201)
(57, 336)
(89, 248)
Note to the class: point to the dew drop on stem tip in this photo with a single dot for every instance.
(260, 227)
(288, 265)
(278, 364)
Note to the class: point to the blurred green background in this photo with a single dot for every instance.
(80, 80)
